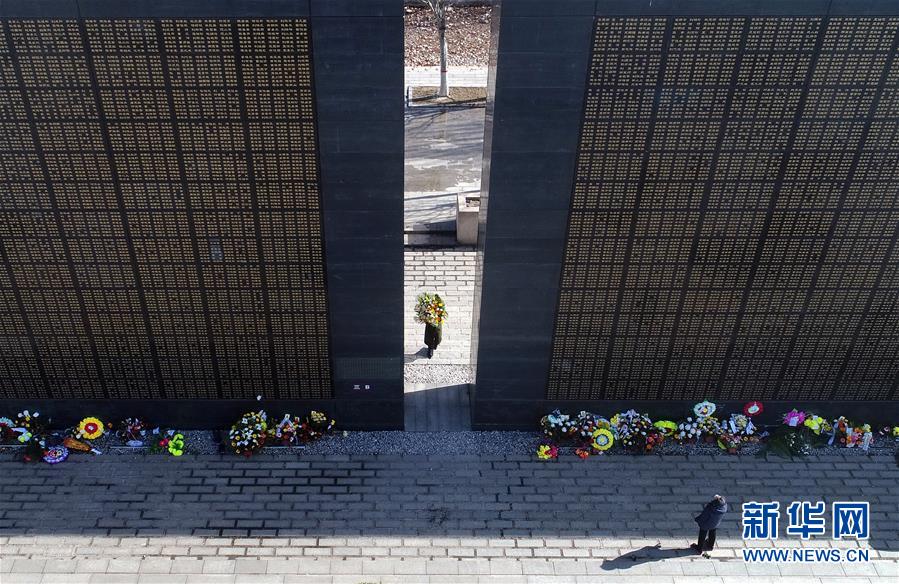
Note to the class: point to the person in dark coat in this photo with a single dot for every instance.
(708, 522)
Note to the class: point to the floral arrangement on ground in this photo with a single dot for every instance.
(253, 431)
(34, 436)
(704, 430)
(40, 441)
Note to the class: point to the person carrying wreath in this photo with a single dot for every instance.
(431, 311)
(708, 522)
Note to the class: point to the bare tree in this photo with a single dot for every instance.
(438, 7)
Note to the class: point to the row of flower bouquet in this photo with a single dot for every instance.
(33, 431)
(637, 433)
(801, 431)
(253, 431)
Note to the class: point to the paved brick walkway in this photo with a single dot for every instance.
(416, 519)
(449, 272)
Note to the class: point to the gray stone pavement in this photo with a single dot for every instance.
(449, 272)
(444, 149)
(437, 407)
(419, 519)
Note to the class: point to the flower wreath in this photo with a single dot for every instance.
(602, 439)
(89, 428)
(56, 454)
(666, 427)
(547, 452)
(704, 409)
(753, 408)
(176, 445)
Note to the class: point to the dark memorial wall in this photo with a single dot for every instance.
(184, 226)
(141, 255)
(728, 181)
(733, 213)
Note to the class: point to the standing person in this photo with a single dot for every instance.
(708, 522)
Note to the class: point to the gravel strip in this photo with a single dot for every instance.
(427, 443)
(433, 374)
(454, 444)
(196, 442)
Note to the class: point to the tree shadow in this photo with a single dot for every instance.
(645, 555)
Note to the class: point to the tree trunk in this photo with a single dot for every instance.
(441, 31)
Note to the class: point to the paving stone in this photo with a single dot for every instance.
(91, 565)
(536, 567)
(571, 568)
(473, 566)
(283, 566)
(304, 579)
(448, 579)
(24, 578)
(184, 566)
(114, 578)
(426, 518)
(58, 566)
(67, 579)
(503, 579)
(442, 566)
(123, 566)
(499, 566)
(315, 566)
(212, 579)
(347, 566)
(246, 566)
(666, 568)
(155, 566)
(408, 566)
(162, 579)
(25, 566)
(378, 567)
(258, 579)
(734, 569)
(218, 566)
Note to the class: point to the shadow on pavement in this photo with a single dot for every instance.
(644, 555)
(619, 499)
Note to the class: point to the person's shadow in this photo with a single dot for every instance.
(646, 554)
